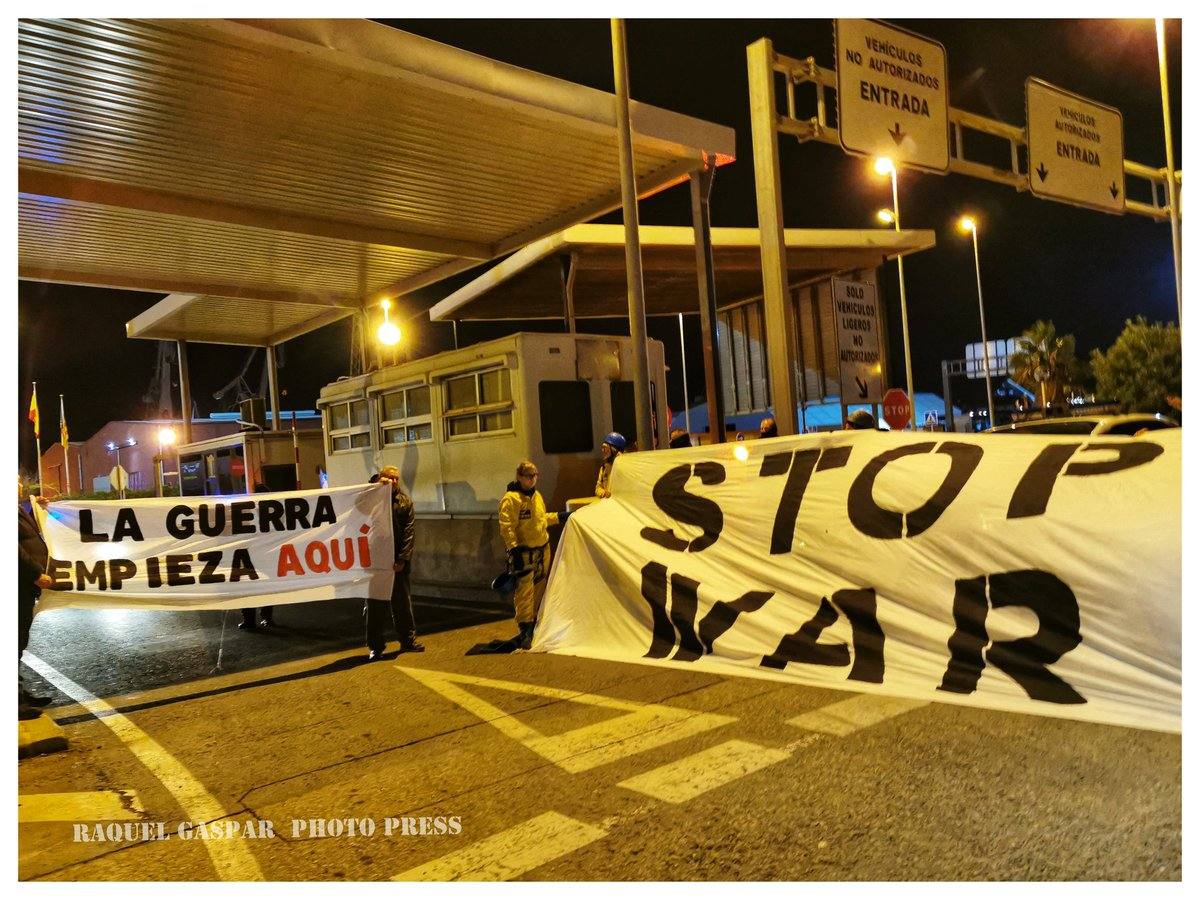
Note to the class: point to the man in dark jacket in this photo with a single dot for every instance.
(31, 579)
(404, 535)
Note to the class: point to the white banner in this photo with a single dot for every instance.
(220, 552)
(1035, 574)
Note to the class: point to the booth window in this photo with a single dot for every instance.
(478, 403)
(624, 413)
(348, 425)
(404, 416)
(566, 415)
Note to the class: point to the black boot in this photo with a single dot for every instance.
(408, 644)
(527, 634)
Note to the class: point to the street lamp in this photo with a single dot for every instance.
(388, 333)
(885, 166)
(166, 438)
(968, 224)
(1172, 188)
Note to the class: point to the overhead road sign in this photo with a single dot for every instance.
(892, 94)
(856, 316)
(332, 161)
(1076, 148)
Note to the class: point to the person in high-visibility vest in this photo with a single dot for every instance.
(523, 528)
(612, 447)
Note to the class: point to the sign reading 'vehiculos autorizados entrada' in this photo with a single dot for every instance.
(856, 317)
(892, 94)
(1076, 148)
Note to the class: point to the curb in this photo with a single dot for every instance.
(37, 737)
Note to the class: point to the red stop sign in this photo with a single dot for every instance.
(897, 411)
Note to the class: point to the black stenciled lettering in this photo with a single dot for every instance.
(802, 465)
(859, 605)
(120, 571)
(723, 614)
(87, 533)
(126, 525)
(874, 521)
(801, 645)
(270, 516)
(669, 495)
(97, 575)
(323, 513)
(683, 617)
(241, 518)
(1025, 660)
(211, 559)
(59, 571)
(1032, 494)
(178, 570)
(177, 528)
(211, 519)
(242, 566)
(654, 591)
(296, 512)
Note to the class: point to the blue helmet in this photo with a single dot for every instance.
(616, 440)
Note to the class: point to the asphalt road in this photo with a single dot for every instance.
(541, 767)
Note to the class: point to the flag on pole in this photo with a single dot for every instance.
(33, 413)
(63, 437)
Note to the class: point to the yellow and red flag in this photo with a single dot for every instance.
(33, 414)
(63, 437)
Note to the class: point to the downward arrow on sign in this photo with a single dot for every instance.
(1112, 189)
(862, 388)
(897, 134)
(1042, 171)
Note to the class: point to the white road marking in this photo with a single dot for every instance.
(80, 806)
(691, 776)
(860, 711)
(643, 727)
(509, 853)
(231, 858)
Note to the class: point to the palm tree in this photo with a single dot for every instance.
(1045, 361)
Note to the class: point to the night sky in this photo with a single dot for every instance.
(1085, 270)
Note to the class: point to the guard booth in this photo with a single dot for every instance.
(234, 463)
(457, 424)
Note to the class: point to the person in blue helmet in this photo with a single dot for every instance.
(612, 447)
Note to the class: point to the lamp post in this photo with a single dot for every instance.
(1172, 188)
(968, 224)
(885, 166)
(166, 438)
(388, 332)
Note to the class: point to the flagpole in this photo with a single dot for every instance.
(37, 441)
(62, 436)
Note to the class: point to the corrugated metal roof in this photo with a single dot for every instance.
(528, 285)
(331, 161)
(230, 320)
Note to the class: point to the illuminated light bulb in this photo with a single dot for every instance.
(966, 224)
(388, 334)
(166, 436)
(884, 166)
(740, 453)
(886, 216)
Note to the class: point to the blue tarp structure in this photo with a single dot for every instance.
(823, 416)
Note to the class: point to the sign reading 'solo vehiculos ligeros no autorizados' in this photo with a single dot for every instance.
(219, 552)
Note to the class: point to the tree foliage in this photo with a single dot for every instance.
(1044, 357)
(1142, 368)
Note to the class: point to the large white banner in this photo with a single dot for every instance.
(220, 552)
(1036, 574)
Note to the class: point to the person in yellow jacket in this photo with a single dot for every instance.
(612, 447)
(523, 527)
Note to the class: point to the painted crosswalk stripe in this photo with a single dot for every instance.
(860, 711)
(231, 859)
(80, 806)
(684, 779)
(509, 853)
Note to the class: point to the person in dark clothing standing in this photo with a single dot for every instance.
(32, 556)
(404, 535)
(266, 615)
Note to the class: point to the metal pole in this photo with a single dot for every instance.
(273, 388)
(158, 473)
(454, 326)
(567, 264)
(66, 467)
(1172, 189)
(687, 416)
(987, 360)
(714, 388)
(633, 247)
(946, 395)
(185, 391)
(120, 477)
(912, 397)
(296, 449)
(777, 307)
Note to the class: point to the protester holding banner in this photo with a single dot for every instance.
(403, 536)
(523, 527)
(768, 428)
(860, 420)
(610, 449)
(31, 578)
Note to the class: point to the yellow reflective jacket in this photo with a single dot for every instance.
(523, 518)
(602, 478)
